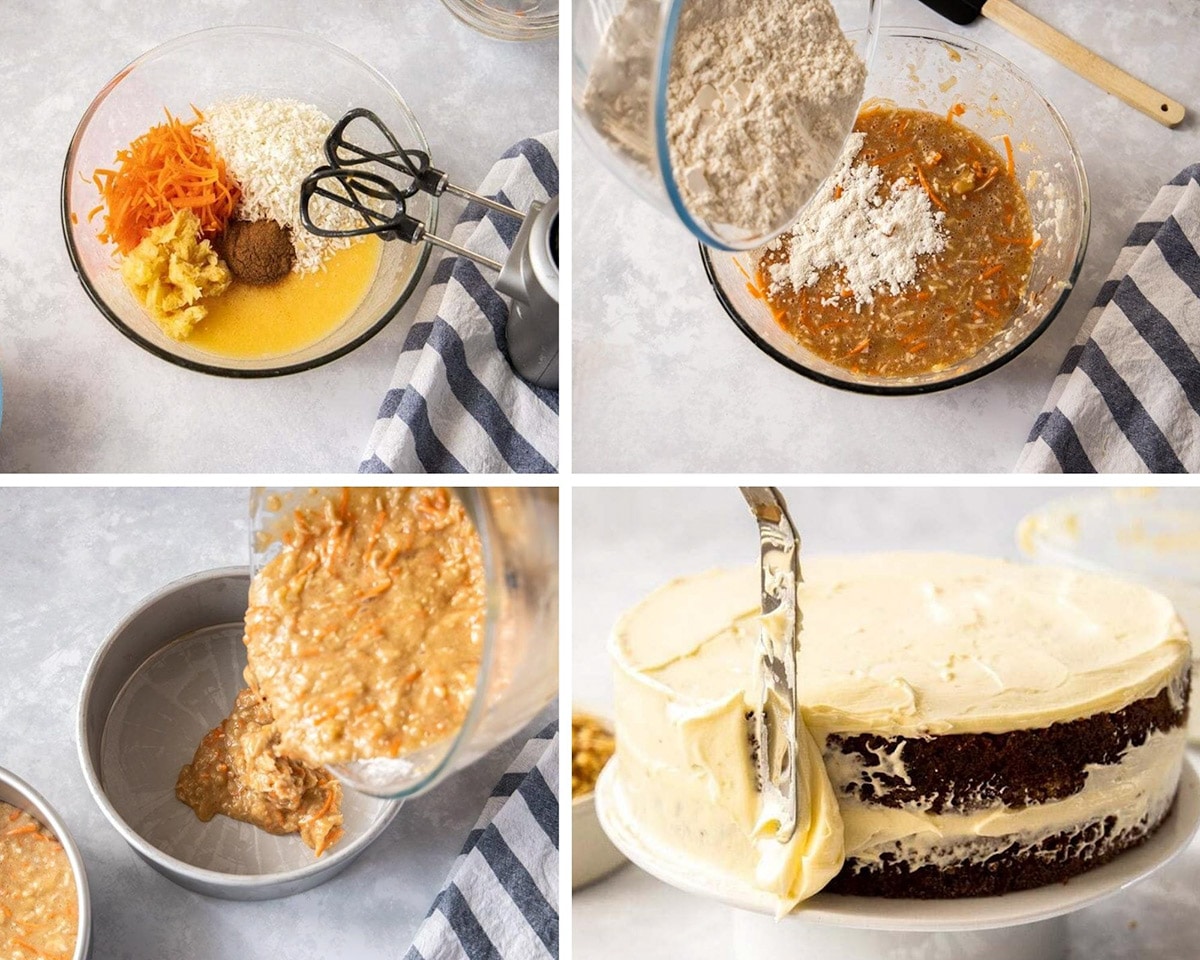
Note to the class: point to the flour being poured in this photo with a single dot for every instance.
(875, 240)
(760, 97)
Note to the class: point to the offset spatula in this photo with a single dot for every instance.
(1073, 56)
(774, 688)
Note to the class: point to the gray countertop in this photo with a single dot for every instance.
(664, 382)
(78, 396)
(629, 541)
(73, 563)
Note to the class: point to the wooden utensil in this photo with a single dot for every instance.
(1072, 55)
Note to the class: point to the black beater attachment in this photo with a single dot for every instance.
(529, 275)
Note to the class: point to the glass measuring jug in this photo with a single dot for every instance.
(625, 56)
(518, 671)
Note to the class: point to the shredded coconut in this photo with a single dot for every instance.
(760, 97)
(270, 146)
(875, 241)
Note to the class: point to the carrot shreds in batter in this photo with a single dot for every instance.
(328, 803)
(166, 169)
(1009, 153)
(957, 110)
(18, 831)
(928, 189)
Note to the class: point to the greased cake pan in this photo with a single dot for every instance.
(18, 793)
(162, 679)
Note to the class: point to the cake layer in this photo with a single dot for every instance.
(984, 874)
(913, 644)
(959, 772)
(1135, 790)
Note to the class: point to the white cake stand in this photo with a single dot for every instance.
(1030, 924)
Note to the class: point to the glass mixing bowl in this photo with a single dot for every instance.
(636, 151)
(508, 19)
(933, 71)
(202, 68)
(518, 673)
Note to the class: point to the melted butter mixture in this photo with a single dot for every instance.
(39, 910)
(962, 297)
(365, 633)
(255, 322)
(237, 771)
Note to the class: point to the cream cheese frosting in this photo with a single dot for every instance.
(900, 645)
(912, 644)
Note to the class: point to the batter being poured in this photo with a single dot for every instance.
(363, 637)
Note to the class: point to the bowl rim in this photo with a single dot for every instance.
(214, 368)
(50, 817)
(500, 25)
(339, 857)
(1068, 286)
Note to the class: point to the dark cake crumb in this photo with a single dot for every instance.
(1017, 768)
(1054, 860)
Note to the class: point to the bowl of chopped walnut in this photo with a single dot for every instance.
(592, 746)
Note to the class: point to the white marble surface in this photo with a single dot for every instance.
(665, 382)
(80, 397)
(73, 562)
(629, 541)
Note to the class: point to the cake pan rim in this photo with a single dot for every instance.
(50, 817)
(169, 865)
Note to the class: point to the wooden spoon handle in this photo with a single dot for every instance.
(1082, 61)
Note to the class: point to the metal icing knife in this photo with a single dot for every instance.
(773, 686)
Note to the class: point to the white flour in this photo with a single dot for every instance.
(760, 97)
(875, 241)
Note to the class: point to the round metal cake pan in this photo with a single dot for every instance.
(15, 791)
(163, 678)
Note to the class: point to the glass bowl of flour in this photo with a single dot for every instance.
(937, 71)
(727, 114)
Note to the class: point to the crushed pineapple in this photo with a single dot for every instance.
(172, 270)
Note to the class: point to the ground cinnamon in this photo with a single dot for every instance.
(258, 252)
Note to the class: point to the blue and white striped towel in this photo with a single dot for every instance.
(501, 899)
(1127, 399)
(455, 405)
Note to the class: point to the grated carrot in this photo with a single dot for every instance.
(168, 168)
(928, 189)
(957, 110)
(1008, 151)
(991, 271)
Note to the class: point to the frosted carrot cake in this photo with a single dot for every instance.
(982, 727)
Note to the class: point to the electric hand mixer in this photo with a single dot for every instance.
(529, 275)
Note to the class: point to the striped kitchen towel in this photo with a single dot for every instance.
(501, 899)
(455, 405)
(1127, 399)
